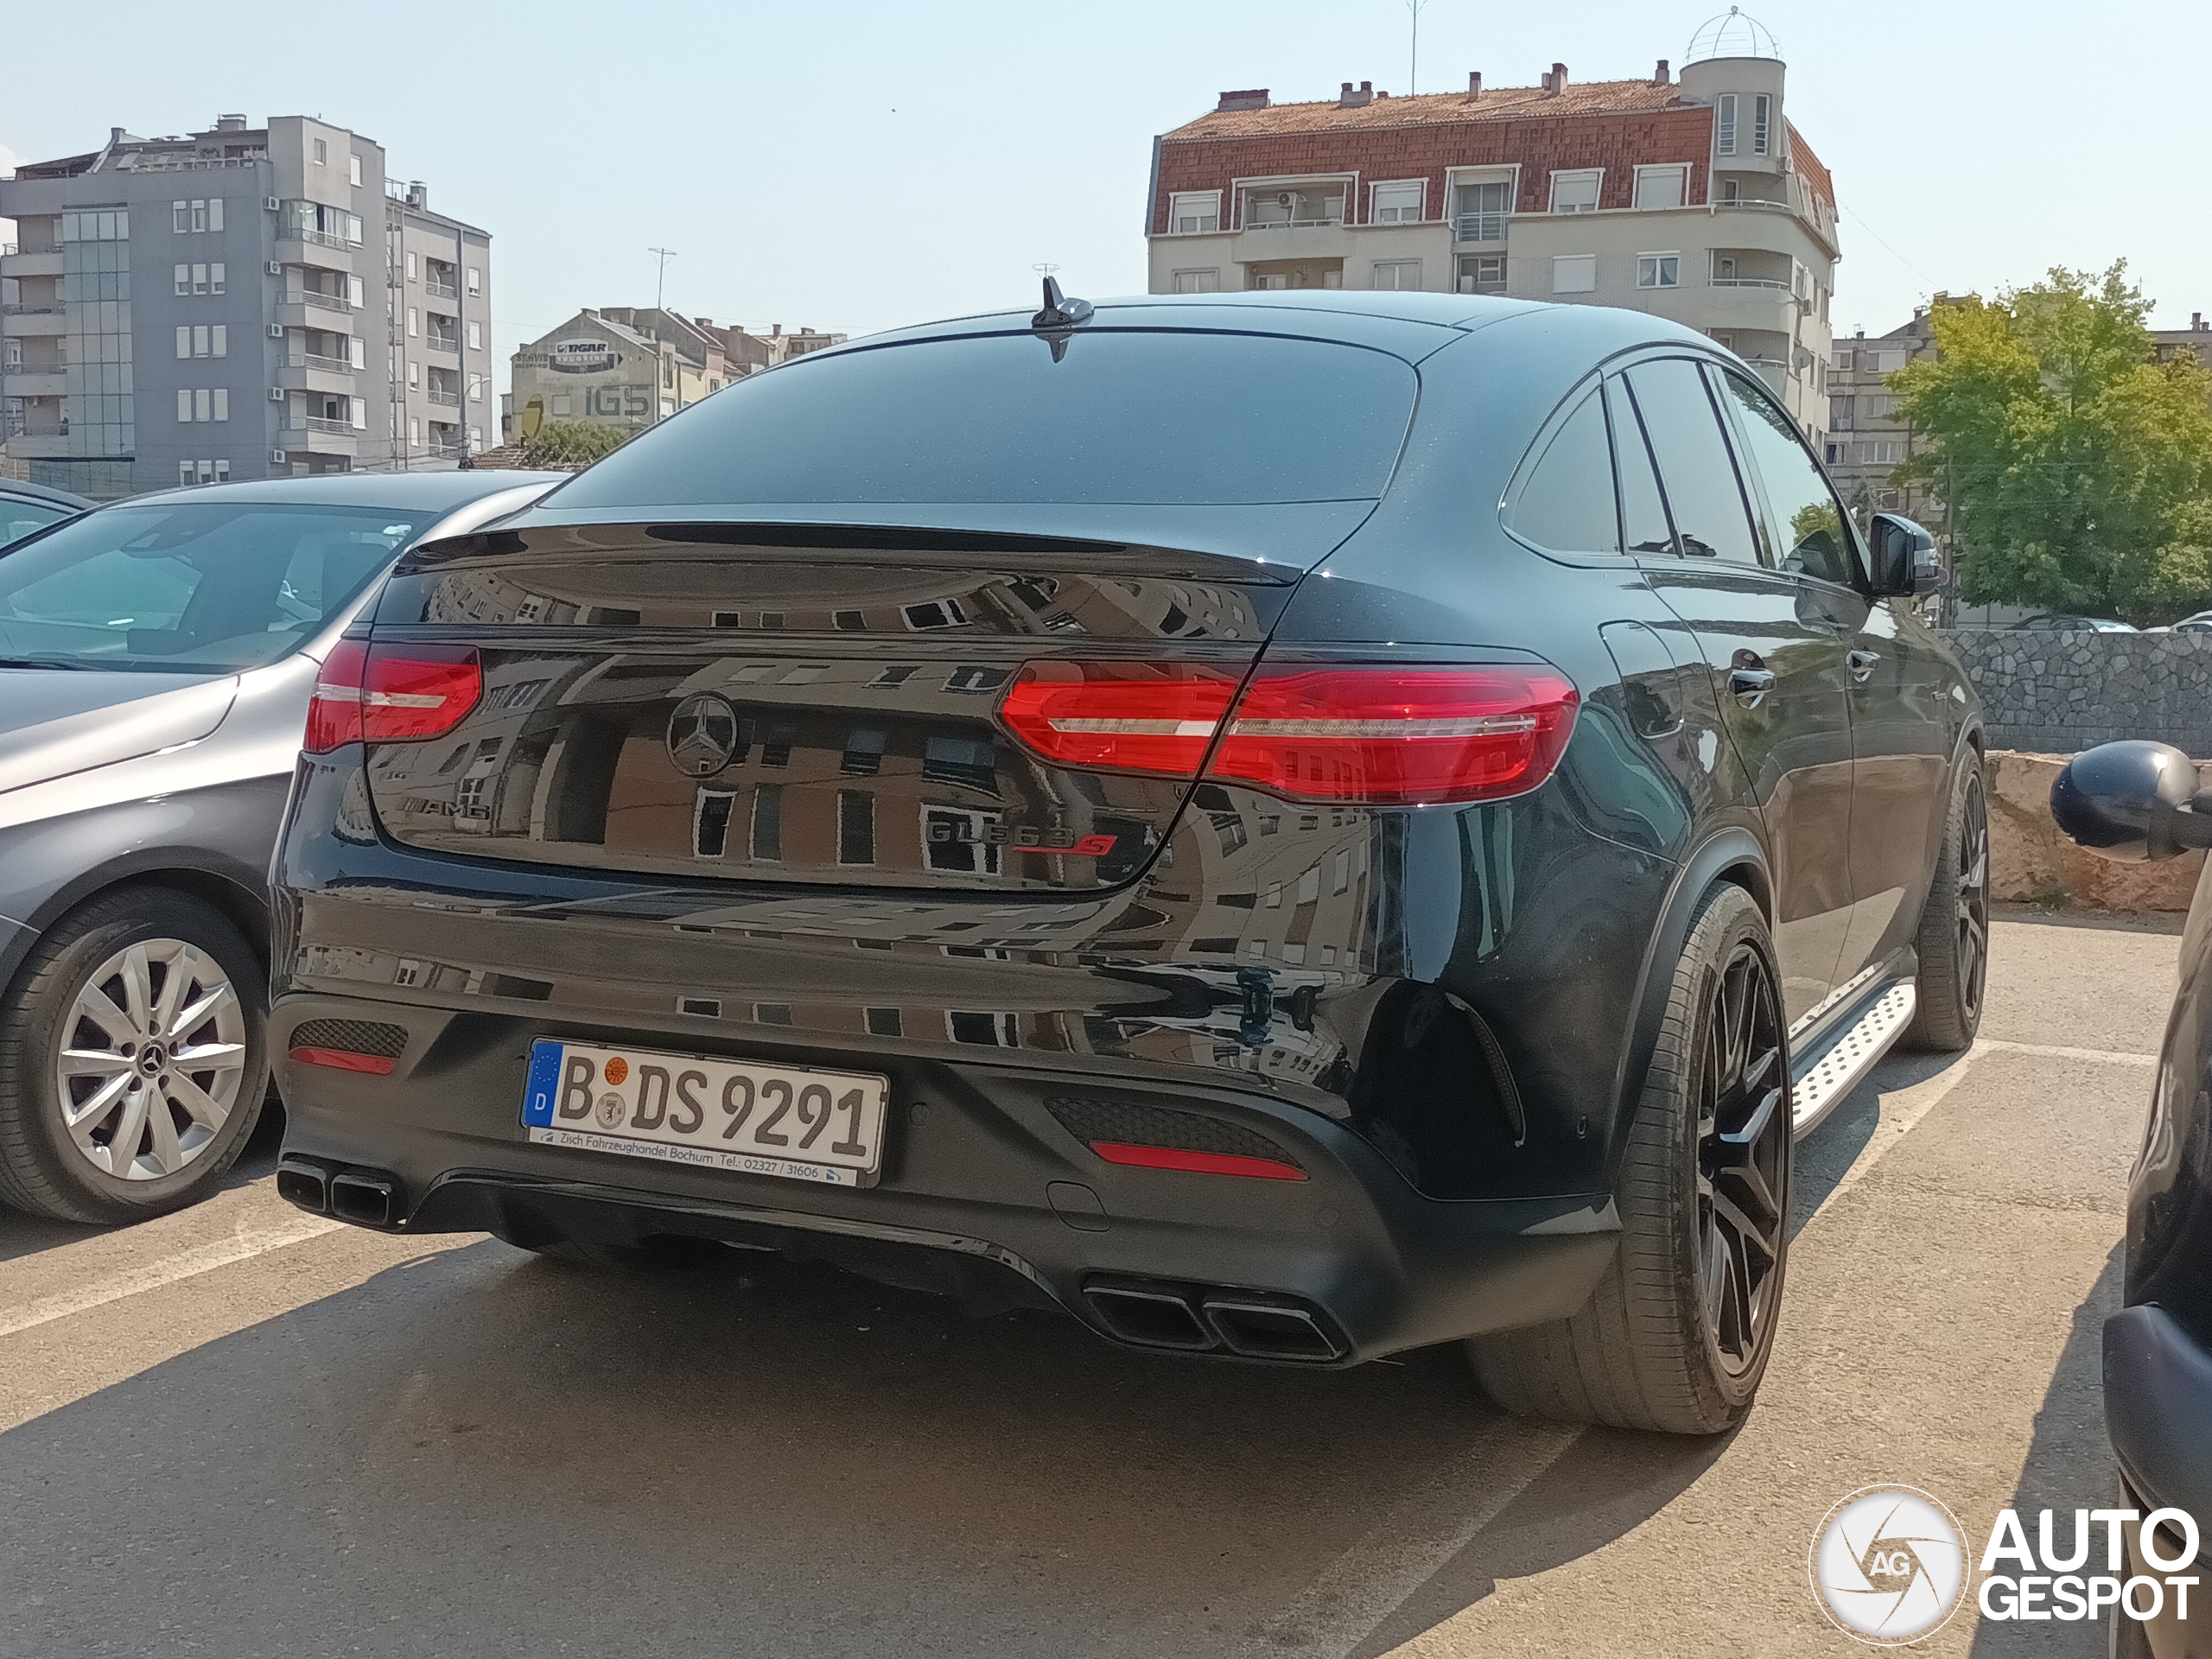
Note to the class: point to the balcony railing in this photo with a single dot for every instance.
(444, 451)
(43, 309)
(320, 301)
(1756, 203)
(324, 424)
(441, 290)
(42, 430)
(1480, 228)
(448, 399)
(327, 365)
(320, 239)
(443, 342)
(1291, 224)
(1750, 281)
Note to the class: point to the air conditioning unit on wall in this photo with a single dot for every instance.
(275, 394)
(276, 457)
(274, 269)
(274, 207)
(276, 331)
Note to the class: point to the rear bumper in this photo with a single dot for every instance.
(2159, 1409)
(983, 1194)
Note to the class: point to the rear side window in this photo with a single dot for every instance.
(1566, 501)
(1807, 520)
(1120, 416)
(1711, 517)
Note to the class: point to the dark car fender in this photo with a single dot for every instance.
(1730, 855)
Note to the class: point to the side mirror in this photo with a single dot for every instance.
(2131, 802)
(1905, 563)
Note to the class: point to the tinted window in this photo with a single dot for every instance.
(1643, 514)
(1694, 465)
(19, 519)
(1123, 417)
(1566, 501)
(205, 585)
(1807, 524)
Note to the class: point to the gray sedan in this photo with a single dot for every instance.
(157, 657)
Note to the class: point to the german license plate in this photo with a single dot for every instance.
(790, 1122)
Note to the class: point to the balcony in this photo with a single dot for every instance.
(33, 380)
(314, 250)
(441, 290)
(321, 302)
(442, 343)
(327, 365)
(444, 399)
(35, 320)
(1479, 227)
(317, 437)
(27, 261)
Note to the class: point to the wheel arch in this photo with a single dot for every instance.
(1730, 857)
(238, 893)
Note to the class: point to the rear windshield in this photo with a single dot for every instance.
(1125, 417)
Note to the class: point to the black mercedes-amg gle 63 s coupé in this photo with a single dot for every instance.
(1290, 827)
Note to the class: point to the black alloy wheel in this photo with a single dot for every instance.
(1972, 898)
(1952, 944)
(1743, 1156)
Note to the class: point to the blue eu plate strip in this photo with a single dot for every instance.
(544, 1083)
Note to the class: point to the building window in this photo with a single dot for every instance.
(1658, 270)
(1832, 454)
(222, 472)
(415, 379)
(475, 279)
(1723, 124)
(1881, 452)
(215, 277)
(1481, 214)
(475, 388)
(321, 152)
(1198, 282)
(1762, 109)
(1192, 212)
(184, 472)
(184, 340)
(411, 266)
(1574, 273)
(1398, 203)
(200, 279)
(184, 279)
(414, 322)
(1401, 275)
(856, 827)
(1482, 273)
(180, 217)
(200, 342)
(1576, 192)
(354, 168)
(414, 429)
(1841, 359)
(475, 336)
(1660, 186)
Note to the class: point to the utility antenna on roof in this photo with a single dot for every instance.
(1413, 68)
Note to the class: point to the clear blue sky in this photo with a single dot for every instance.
(855, 164)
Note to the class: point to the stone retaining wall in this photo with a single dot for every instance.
(2061, 692)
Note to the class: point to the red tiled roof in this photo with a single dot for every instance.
(1495, 103)
(1809, 167)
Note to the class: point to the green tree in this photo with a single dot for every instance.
(571, 444)
(2078, 468)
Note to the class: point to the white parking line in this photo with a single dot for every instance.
(2053, 1050)
(1343, 1605)
(185, 1264)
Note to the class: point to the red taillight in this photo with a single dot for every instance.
(1397, 736)
(391, 694)
(1365, 734)
(1152, 717)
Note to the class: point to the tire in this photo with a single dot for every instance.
(1677, 1334)
(188, 1123)
(1953, 938)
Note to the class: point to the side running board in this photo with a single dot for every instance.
(1831, 1068)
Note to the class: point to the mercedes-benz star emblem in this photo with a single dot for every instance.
(703, 734)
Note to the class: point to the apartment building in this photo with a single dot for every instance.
(1866, 440)
(193, 309)
(1691, 197)
(437, 277)
(2196, 340)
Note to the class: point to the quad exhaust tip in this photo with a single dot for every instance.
(367, 1198)
(1150, 1313)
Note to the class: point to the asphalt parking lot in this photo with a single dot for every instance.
(242, 1431)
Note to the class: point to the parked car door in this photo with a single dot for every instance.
(1904, 710)
(1774, 641)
